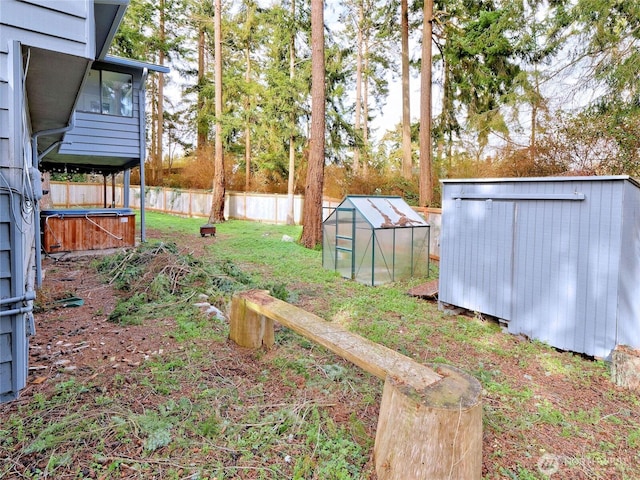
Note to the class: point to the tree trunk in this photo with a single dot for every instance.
(430, 433)
(534, 117)
(217, 204)
(365, 108)
(292, 149)
(426, 179)
(312, 212)
(247, 127)
(447, 113)
(407, 158)
(202, 130)
(358, 106)
(160, 113)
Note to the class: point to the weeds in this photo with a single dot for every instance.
(158, 275)
(205, 409)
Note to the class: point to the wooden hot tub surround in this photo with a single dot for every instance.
(72, 230)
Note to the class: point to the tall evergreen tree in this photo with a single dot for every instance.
(152, 32)
(609, 31)
(202, 21)
(543, 32)
(479, 61)
(370, 33)
(407, 154)
(312, 211)
(217, 204)
(426, 167)
(292, 119)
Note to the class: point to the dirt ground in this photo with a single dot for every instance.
(74, 337)
(75, 340)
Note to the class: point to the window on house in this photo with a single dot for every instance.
(109, 93)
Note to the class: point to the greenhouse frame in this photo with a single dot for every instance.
(375, 240)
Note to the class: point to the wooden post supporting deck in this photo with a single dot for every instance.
(430, 421)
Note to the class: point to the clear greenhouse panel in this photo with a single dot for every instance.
(386, 212)
(376, 240)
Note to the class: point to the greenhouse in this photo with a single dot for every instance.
(375, 240)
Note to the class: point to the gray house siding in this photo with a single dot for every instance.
(96, 134)
(555, 258)
(13, 326)
(51, 25)
(16, 229)
(4, 108)
(47, 48)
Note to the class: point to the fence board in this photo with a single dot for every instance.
(259, 207)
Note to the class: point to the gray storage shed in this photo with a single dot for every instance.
(557, 259)
(375, 240)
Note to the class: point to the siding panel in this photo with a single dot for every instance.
(48, 25)
(476, 274)
(30, 17)
(628, 331)
(97, 134)
(77, 8)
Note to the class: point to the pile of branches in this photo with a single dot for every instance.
(160, 273)
(156, 268)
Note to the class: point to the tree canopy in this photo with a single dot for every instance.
(518, 88)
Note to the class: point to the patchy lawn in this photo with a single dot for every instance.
(139, 382)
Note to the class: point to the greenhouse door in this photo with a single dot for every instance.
(345, 236)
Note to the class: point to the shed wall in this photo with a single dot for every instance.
(564, 250)
(474, 270)
(566, 268)
(629, 291)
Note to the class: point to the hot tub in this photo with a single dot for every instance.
(69, 230)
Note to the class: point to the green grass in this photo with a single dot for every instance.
(205, 409)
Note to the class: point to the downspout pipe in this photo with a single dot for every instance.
(51, 147)
(29, 296)
(16, 311)
(143, 153)
(127, 185)
(35, 161)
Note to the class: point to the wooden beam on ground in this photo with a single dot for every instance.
(430, 422)
(370, 356)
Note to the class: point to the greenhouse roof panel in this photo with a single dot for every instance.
(387, 212)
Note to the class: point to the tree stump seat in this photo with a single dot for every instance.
(430, 420)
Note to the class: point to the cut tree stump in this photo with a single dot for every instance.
(435, 433)
(625, 367)
(430, 422)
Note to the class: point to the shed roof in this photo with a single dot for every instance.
(593, 178)
(385, 211)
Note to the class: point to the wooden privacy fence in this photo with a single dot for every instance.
(430, 420)
(261, 207)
